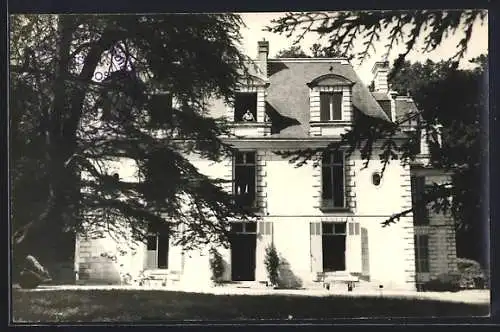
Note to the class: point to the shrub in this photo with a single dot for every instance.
(448, 282)
(33, 273)
(216, 265)
(471, 274)
(272, 262)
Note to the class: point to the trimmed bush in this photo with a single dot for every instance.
(272, 262)
(448, 282)
(471, 274)
(216, 266)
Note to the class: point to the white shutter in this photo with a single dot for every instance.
(316, 247)
(174, 251)
(264, 239)
(151, 259)
(353, 247)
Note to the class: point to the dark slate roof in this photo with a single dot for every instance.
(380, 96)
(288, 93)
(403, 107)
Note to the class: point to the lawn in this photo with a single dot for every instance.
(156, 306)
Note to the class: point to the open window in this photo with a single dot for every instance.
(330, 106)
(244, 178)
(333, 180)
(245, 107)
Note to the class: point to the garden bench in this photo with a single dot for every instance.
(349, 280)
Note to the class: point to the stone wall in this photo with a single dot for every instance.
(441, 235)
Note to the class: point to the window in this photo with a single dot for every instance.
(328, 228)
(332, 175)
(376, 179)
(160, 109)
(420, 212)
(243, 227)
(422, 253)
(244, 178)
(330, 106)
(245, 107)
(158, 241)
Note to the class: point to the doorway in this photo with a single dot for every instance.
(243, 244)
(333, 243)
(158, 248)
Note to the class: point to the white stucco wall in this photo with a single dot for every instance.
(292, 197)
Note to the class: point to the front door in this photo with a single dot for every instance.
(157, 248)
(333, 243)
(243, 244)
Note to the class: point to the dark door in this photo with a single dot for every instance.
(333, 253)
(243, 257)
(163, 243)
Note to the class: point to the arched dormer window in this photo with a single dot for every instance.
(330, 104)
(333, 93)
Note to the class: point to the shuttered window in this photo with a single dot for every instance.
(420, 212)
(422, 253)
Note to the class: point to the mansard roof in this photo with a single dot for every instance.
(288, 90)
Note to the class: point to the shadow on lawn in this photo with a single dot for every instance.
(166, 306)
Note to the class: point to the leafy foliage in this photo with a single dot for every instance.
(344, 29)
(84, 94)
(450, 101)
(272, 263)
(316, 50)
(448, 282)
(471, 274)
(292, 52)
(216, 265)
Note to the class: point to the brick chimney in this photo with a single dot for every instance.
(263, 52)
(380, 73)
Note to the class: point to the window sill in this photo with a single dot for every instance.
(330, 123)
(250, 124)
(334, 209)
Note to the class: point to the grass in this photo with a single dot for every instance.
(154, 306)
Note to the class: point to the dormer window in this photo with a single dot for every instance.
(330, 106)
(245, 107)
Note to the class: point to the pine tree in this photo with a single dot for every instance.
(85, 91)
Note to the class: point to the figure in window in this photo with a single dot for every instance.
(248, 116)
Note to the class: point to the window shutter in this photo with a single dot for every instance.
(324, 106)
(337, 106)
(316, 247)
(265, 228)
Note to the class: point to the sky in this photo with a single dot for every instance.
(256, 22)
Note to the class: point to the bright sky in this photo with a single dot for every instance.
(257, 21)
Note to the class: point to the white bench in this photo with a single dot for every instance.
(349, 280)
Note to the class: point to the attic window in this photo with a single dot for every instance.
(330, 106)
(245, 107)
